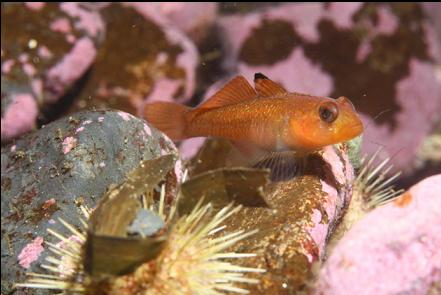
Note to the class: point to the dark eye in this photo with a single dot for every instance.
(328, 111)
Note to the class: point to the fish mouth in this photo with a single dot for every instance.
(358, 127)
(356, 130)
(352, 131)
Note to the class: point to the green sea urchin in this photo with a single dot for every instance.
(373, 183)
(193, 260)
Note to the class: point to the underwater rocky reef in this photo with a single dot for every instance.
(96, 200)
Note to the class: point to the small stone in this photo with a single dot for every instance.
(146, 223)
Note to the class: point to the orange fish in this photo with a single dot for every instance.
(266, 124)
(267, 118)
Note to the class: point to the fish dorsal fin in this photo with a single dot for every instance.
(266, 87)
(235, 91)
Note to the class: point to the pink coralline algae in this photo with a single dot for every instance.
(337, 166)
(188, 59)
(29, 69)
(342, 13)
(68, 144)
(31, 252)
(125, 116)
(189, 147)
(48, 203)
(164, 90)
(35, 5)
(44, 52)
(193, 18)
(7, 66)
(178, 170)
(420, 97)
(163, 67)
(88, 21)
(79, 129)
(395, 88)
(395, 249)
(297, 72)
(37, 88)
(38, 59)
(71, 67)
(387, 24)
(147, 130)
(304, 17)
(20, 116)
(61, 25)
(335, 200)
(23, 57)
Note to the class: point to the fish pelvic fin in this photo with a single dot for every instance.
(235, 91)
(283, 165)
(170, 118)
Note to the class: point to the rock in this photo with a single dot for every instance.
(71, 162)
(293, 234)
(46, 48)
(302, 213)
(384, 57)
(143, 58)
(395, 249)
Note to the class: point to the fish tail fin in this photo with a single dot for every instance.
(168, 117)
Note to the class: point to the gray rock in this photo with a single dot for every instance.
(49, 173)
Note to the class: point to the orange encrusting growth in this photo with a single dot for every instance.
(268, 117)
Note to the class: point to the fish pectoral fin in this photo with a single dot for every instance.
(266, 87)
(284, 165)
(235, 91)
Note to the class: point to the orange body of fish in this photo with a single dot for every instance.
(267, 116)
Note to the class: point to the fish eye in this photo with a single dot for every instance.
(328, 111)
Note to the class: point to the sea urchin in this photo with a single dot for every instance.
(193, 260)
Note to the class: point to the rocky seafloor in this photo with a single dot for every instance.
(75, 77)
